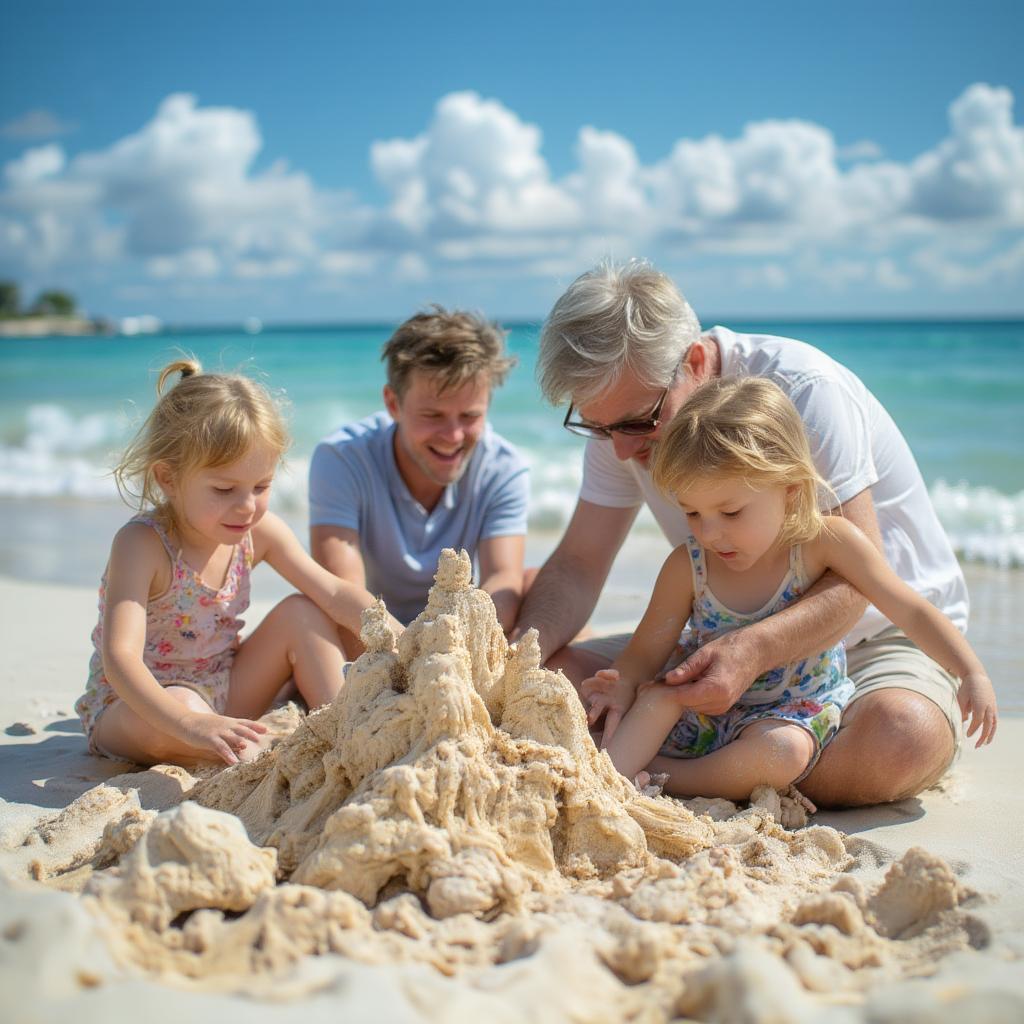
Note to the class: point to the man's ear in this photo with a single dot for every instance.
(697, 361)
(391, 401)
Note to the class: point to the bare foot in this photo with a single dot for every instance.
(650, 785)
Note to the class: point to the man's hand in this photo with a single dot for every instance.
(717, 674)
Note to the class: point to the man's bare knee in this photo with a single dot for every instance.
(923, 750)
(892, 744)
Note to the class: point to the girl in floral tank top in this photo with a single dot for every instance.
(170, 679)
(737, 460)
(192, 631)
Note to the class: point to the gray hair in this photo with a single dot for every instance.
(610, 319)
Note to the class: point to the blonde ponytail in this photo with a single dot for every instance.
(186, 367)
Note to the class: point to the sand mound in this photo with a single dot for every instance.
(452, 767)
(449, 810)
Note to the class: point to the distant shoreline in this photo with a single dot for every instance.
(52, 326)
(41, 327)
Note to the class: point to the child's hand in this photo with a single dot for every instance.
(606, 694)
(222, 735)
(977, 701)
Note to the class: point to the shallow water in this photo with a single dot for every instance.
(955, 389)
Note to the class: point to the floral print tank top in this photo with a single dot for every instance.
(192, 625)
(710, 618)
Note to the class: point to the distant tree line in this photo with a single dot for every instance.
(51, 302)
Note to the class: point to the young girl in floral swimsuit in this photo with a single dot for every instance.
(737, 460)
(170, 679)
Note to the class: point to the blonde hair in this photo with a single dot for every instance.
(202, 420)
(614, 318)
(456, 347)
(744, 427)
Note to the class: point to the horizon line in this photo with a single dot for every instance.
(168, 326)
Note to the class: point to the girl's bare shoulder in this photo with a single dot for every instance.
(138, 546)
(838, 542)
(138, 538)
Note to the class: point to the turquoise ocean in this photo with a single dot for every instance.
(67, 405)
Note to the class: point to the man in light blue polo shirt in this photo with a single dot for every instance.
(388, 492)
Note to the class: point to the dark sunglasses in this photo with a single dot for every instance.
(631, 428)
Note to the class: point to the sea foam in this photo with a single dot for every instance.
(57, 455)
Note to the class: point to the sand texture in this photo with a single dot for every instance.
(445, 842)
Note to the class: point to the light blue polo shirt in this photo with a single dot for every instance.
(354, 483)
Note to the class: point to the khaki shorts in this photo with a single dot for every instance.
(890, 659)
(885, 661)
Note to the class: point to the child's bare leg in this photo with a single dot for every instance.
(643, 728)
(295, 639)
(771, 752)
(122, 733)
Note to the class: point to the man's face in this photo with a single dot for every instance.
(628, 399)
(436, 431)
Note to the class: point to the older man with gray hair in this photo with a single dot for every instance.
(623, 348)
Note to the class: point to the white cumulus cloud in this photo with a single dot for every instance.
(182, 185)
(978, 172)
(35, 165)
(181, 200)
(477, 169)
(608, 187)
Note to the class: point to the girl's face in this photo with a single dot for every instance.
(735, 522)
(220, 503)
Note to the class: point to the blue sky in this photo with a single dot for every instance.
(310, 161)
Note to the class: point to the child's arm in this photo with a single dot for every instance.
(137, 568)
(612, 691)
(275, 544)
(849, 553)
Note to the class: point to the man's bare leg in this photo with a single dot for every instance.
(892, 744)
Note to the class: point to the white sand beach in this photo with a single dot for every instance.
(404, 864)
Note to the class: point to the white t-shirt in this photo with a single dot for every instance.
(854, 444)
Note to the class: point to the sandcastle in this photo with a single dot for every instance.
(450, 809)
(454, 767)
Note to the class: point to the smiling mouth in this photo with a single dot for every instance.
(447, 456)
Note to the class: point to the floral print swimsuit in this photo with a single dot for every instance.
(810, 693)
(191, 632)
